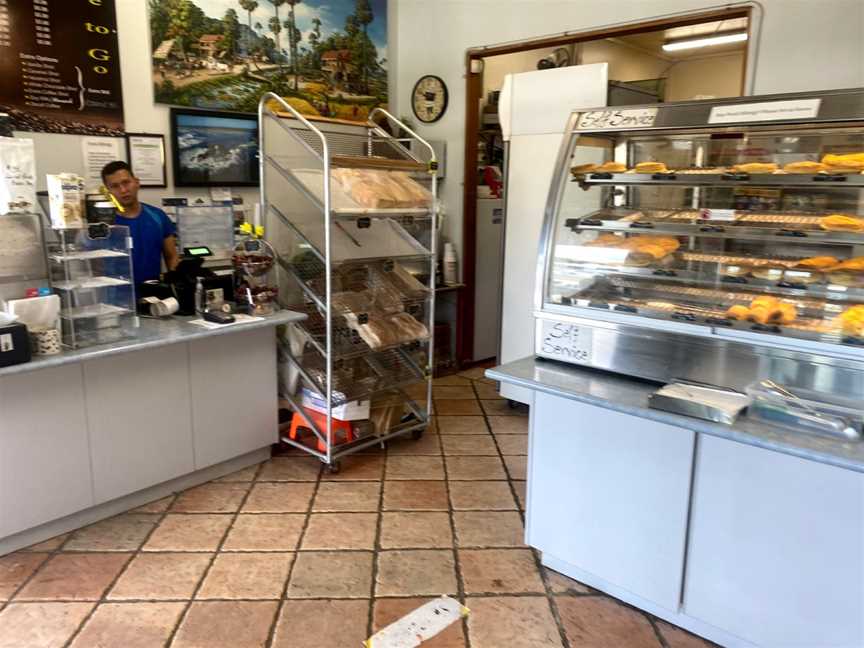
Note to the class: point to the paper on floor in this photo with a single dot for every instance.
(420, 625)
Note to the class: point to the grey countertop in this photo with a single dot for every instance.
(150, 334)
(630, 396)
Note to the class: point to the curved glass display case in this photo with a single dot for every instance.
(718, 241)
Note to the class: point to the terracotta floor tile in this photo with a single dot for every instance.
(430, 572)
(245, 475)
(40, 625)
(340, 531)
(454, 392)
(331, 574)
(188, 533)
(160, 576)
(521, 492)
(481, 496)
(121, 533)
(157, 506)
(517, 467)
(416, 530)
(390, 610)
(322, 624)
(246, 576)
(408, 495)
(74, 577)
(488, 529)
(475, 373)
(52, 544)
(265, 532)
(494, 622)
(15, 569)
(468, 445)
(347, 496)
(512, 444)
(130, 625)
(508, 424)
(279, 497)
(475, 468)
(428, 444)
(358, 468)
(415, 468)
(679, 638)
(561, 584)
(494, 407)
(455, 406)
(211, 498)
(598, 622)
(461, 425)
(487, 392)
(226, 624)
(451, 380)
(500, 571)
(290, 469)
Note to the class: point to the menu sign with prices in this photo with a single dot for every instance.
(60, 66)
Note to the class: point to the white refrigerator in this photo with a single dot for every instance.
(534, 108)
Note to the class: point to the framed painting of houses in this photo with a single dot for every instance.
(327, 58)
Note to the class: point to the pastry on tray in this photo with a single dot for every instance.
(738, 312)
(581, 169)
(768, 272)
(805, 166)
(755, 167)
(841, 223)
(650, 167)
(817, 263)
(844, 163)
(611, 167)
(852, 321)
(701, 170)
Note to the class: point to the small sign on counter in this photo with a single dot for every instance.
(568, 342)
(765, 111)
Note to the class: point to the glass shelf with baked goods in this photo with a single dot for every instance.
(736, 222)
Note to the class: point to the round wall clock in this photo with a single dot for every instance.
(429, 99)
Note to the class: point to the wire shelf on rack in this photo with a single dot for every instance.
(360, 378)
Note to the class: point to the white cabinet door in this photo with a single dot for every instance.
(234, 395)
(610, 494)
(140, 419)
(44, 451)
(776, 552)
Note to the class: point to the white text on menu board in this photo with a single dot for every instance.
(566, 341)
(5, 40)
(42, 22)
(628, 118)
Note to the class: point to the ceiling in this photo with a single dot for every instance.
(653, 41)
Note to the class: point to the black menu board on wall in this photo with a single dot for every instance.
(60, 66)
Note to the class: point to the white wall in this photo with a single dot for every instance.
(56, 153)
(804, 45)
(709, 76)
(625, 63)
(495, 68)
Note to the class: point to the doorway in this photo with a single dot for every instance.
(650, 62)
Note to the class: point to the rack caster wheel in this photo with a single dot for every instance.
(334, 467)
(417, 434)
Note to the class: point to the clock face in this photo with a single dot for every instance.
(429, 99)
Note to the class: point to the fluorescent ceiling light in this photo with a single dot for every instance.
(705, 41)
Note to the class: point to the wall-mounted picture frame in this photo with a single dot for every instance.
(213, 148)
(147, 157)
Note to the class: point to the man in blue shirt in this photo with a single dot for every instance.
(153, 233)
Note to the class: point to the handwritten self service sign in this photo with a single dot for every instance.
(59, 66)
(614, 118)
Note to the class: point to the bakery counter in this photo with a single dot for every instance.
(152, 333)
(746, 535)
(90, 433)
(630, 396)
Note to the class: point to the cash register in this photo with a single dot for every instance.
(182, 283)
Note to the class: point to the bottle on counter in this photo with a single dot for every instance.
(200, 299)
(451, 265)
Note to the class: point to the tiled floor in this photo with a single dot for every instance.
(286, 555)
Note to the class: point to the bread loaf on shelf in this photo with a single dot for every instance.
(846, 162)
(651, 167)
(755, 167)
(841, 223)
(805, 166)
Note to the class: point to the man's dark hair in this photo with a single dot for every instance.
(114, 167)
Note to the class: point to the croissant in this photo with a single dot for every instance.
(755, 167)
(847, 161)
(579, 169)
(818, 263)
(611, 167)
(738, 312)
(841, 223)
(651, 167)
(805, 166)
